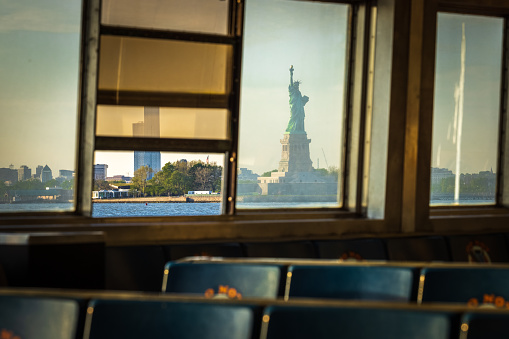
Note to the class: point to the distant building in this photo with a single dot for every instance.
(38, 172)
(438, 174)
(100, 171)
(67, 174)
(46, 174)
(24, 173)
(150, 127)
(246, 174)
(119, 178)
(8, 175)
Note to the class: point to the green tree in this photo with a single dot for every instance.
(100, 184)
(30, 184)
(52, 183)
(68, 184)
(3, 191)
(268, 174)
(140, 178)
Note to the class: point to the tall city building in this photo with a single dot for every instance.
(24, 173)
(67, 174)
(149, 127)
(38, 172)
(100, 171)
(46, 174)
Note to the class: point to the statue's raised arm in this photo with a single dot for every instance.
(291, 75)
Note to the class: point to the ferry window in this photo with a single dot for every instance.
(165, 99)
(39, 67)
(171, 184)
(185, 123)
(466, 109)
(186, 16)
(293, 81)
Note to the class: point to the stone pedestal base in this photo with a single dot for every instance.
(295, 153)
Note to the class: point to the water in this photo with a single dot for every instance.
(179, 209)
(154, 209)
(38, 207)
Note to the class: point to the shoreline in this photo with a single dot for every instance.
(155, 200)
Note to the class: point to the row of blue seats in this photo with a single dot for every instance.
(38, 317)
(139, 267)
(470, 284)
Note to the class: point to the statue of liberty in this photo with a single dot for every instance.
(297, 103)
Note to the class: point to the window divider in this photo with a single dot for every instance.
(167, 35)
(162, 99)
(161, 144)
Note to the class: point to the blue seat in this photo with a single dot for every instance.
(478, 248)
(233, 280)
(38, 318)
(432, 248)
(352, 249)
(136, 319)
(352, 282)
(472, 285)
(486, 325)
(357, 323)
(286, 249)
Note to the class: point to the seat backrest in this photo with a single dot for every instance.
(232, 280)
(352, 249)
(485, 325)
(478, 248)
(352, 282)
(473, 285)
(136, 319)
(38, 318)
(286, 249)
(356, 323)
(227, 250)
(432, 248)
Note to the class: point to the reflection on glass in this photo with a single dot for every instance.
(161, 65)
(186, 184)
(39, 67)
(466, 109)
(292, 104)
(209, 16)
(185, 123)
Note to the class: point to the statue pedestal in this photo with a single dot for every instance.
(295, 153)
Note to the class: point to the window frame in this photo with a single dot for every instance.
(390, 190)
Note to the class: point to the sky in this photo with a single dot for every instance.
(483, 57)
(312, 38)
(39, 62)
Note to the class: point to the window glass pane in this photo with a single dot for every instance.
(39, 69)
(204, 16)
(164, 122)
(163, 65)
(466, 109)
(290, 136)
(180, 184)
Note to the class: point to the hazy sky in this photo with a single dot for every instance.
(311, 37)
(483, 58)
(39, 62)
(39, 84)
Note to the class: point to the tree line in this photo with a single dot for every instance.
(33, 184)
(177, 178)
